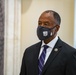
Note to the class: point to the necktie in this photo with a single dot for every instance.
(42, 59)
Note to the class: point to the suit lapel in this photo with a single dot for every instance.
(53, 55)
(36, 54)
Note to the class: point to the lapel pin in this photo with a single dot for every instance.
(56, 49)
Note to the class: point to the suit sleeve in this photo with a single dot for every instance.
(71, 65)
(23, 66)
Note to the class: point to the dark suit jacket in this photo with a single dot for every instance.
(61, 62)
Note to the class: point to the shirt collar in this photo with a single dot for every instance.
(52, 43)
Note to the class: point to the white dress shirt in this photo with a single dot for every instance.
(49, 50)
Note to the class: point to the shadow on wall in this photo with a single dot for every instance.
(26, 4)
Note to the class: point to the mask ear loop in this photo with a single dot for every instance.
(51, 29)
(51, 34)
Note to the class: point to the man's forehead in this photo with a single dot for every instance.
(47, 16)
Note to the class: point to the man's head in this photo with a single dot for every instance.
(53, 15)
(50, 19)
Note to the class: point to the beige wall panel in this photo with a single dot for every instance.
(31, 10)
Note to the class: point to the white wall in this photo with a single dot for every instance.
(31, 10)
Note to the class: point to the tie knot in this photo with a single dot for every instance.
(45, 46)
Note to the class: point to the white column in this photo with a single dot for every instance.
(12, 37)
(17, 31)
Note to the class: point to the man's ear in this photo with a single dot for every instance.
(57, 28)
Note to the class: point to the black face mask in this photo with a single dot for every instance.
(44, 33)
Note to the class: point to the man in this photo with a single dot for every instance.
(57, 59)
